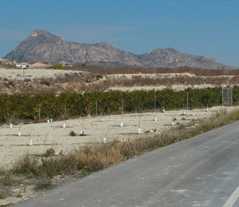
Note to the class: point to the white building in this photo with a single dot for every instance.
(22, 65)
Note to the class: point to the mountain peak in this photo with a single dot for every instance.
(164, 50)
(38, 32)
(43, 35)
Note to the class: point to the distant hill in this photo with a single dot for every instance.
(42, 46)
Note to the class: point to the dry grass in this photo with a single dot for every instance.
(7, 180)
(3, 194)
(43, 184)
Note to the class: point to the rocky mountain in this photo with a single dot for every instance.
(42, 46)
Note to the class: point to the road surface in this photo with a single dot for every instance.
(203, 171)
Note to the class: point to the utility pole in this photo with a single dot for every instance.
(155, 101)
(23, 78)
(39, 113)
(65, 111)
(122, 106)
(187, 100)
(96, 108)
(222, 95)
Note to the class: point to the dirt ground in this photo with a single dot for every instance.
(15, 74)
(19, 140)
(175, 87)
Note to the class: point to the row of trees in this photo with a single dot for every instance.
(43, 106)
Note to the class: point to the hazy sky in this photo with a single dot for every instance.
(204, 27)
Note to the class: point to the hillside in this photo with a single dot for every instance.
(42, 46)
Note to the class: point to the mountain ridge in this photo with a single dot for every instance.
(43, 46)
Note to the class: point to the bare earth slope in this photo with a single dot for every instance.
(46, 47)
(58, 81)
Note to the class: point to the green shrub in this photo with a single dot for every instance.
(58, 67)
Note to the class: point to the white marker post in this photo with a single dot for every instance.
(64, 125)
(140, 131)
(30, 142)
(82, 132)
(207, 109)
(19, 133)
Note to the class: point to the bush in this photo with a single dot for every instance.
(58, 67)
(50, 152)
(72, 134)
(27, 166)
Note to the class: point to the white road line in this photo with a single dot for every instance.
(233, 199)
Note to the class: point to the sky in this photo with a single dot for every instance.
(201, 27)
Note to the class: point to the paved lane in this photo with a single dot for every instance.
(203, 171)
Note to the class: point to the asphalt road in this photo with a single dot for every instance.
(203, 171)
